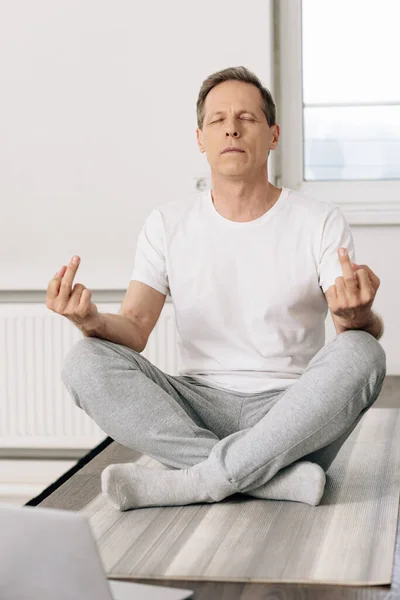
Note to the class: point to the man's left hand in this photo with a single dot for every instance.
(351, 298)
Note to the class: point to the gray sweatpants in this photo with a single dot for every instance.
(246, 437)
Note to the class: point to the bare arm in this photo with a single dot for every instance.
(118, 329)
(132, 327)
(374, 326)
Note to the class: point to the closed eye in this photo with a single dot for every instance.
(245, 118)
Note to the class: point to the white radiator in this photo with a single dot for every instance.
(36, 411)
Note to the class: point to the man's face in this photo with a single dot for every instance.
(235, 106)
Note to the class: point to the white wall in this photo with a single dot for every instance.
(98, 120)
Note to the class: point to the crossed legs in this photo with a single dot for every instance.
(307, 425)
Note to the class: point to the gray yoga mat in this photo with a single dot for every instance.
(348, 539)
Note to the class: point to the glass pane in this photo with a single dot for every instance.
(351, 51)
(352, 142)
(351, 91)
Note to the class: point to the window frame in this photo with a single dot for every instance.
(358, 199)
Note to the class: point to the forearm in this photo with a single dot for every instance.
(374, 326)
(116, 328)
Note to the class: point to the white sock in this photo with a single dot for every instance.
(130, 485)
(302, 481)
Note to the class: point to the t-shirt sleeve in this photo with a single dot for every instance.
(150, 263)
(336, 234)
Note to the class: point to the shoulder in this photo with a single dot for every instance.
(305, 202)
(313, 211)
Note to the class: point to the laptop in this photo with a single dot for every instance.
(48, 554)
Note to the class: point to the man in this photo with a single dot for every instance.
(260, 406)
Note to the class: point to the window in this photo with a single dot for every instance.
(338, 96)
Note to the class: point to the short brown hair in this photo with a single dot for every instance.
(238, 74)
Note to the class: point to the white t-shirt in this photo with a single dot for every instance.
(250, 312)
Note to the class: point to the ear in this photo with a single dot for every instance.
(199, 135)
(275, 138)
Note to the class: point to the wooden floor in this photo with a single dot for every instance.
(390, 394)
(389, 398)
(205, 590)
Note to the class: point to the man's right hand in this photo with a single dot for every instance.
(74, 304)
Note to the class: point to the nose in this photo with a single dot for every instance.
(231, 128)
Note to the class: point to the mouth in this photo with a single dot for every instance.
(233, 150)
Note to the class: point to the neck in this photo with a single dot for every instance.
(243, 200)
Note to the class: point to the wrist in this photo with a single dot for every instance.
(93, 327)
(374, 326)
(369, 321)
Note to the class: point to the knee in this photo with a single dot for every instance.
(83, 361)
(80, 358)
(365, 353)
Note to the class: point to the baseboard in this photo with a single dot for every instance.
(21, 480)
